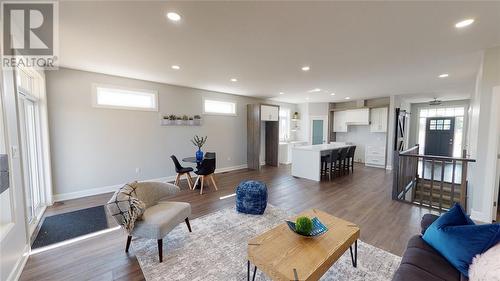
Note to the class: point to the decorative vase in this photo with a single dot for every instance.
(199, 155)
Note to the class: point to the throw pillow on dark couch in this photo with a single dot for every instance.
(455, 236)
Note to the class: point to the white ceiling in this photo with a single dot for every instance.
(356, 49)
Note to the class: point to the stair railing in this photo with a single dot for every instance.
(432, 181)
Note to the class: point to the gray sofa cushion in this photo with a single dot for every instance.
(158, 220)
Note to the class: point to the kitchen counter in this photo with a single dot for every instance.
(285, 150)
(306, 161)
(323, 147)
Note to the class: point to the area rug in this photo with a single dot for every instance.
(217, 249)
(58, 228)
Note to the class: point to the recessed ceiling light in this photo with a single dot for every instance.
(281, 93)
(444, 75)
(306, 68)
(315, 90)
(332, 94)
(176, 67)
(234, 80)
(173, 16)
(464, 23)
(307, 98)
(347, 98)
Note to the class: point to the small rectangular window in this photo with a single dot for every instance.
(124, 98)
(219, 107)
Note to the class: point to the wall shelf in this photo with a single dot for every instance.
(165, 122)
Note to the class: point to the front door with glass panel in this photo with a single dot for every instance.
(439, 136)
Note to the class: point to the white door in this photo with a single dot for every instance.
(319, 130)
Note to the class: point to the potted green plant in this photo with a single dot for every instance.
(197, 120)
(170, 120)
(185, 119)
(199, 142)
(178, 120)
(191, 121)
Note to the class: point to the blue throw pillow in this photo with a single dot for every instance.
(455, 236)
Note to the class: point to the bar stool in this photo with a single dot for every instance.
(325, 159)
(341, 160)
(350, 158)
(334, 155)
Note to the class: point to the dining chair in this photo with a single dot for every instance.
(182, 171)
(334, 155)
(206, 169)
(209, 155)
(350, 158)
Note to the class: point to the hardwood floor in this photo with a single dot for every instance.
(363, 198)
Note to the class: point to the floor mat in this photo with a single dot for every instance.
(66, 226)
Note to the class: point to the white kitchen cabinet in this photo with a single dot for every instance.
(340, 121)
(343, 118)
(269, 113)
(375, 156)
(358, 116)
(378, 120)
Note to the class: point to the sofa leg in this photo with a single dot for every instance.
(188, 225)
(160, 249)
(129, 239)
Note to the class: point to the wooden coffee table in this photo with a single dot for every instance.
(284, 255)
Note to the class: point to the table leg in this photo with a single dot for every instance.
(254, 271)
(354, 258)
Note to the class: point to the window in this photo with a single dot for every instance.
(284, 124)
(123, 98)
(220, 107)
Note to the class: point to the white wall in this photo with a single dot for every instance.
(481, 177)
(361, 137)
(95, 147)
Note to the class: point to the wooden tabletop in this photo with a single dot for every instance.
(284, 255)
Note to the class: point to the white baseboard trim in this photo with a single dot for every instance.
(388, 167)
(480, 216)
(113, 188)
(15, 274)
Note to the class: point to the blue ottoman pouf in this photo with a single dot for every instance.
(251, 197)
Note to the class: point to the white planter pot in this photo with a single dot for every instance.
(197, 122)
(190, 122)
(179, 122)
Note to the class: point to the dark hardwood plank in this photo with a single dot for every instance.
(363, 197)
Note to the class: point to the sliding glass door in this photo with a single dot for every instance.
(30, 157)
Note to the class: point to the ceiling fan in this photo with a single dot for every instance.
(435, 102)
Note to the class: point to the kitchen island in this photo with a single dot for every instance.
(306, 160)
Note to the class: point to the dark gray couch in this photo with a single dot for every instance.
(422, 263)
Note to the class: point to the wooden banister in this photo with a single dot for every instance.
(438, 193)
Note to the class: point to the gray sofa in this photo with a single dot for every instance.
(422, 263)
